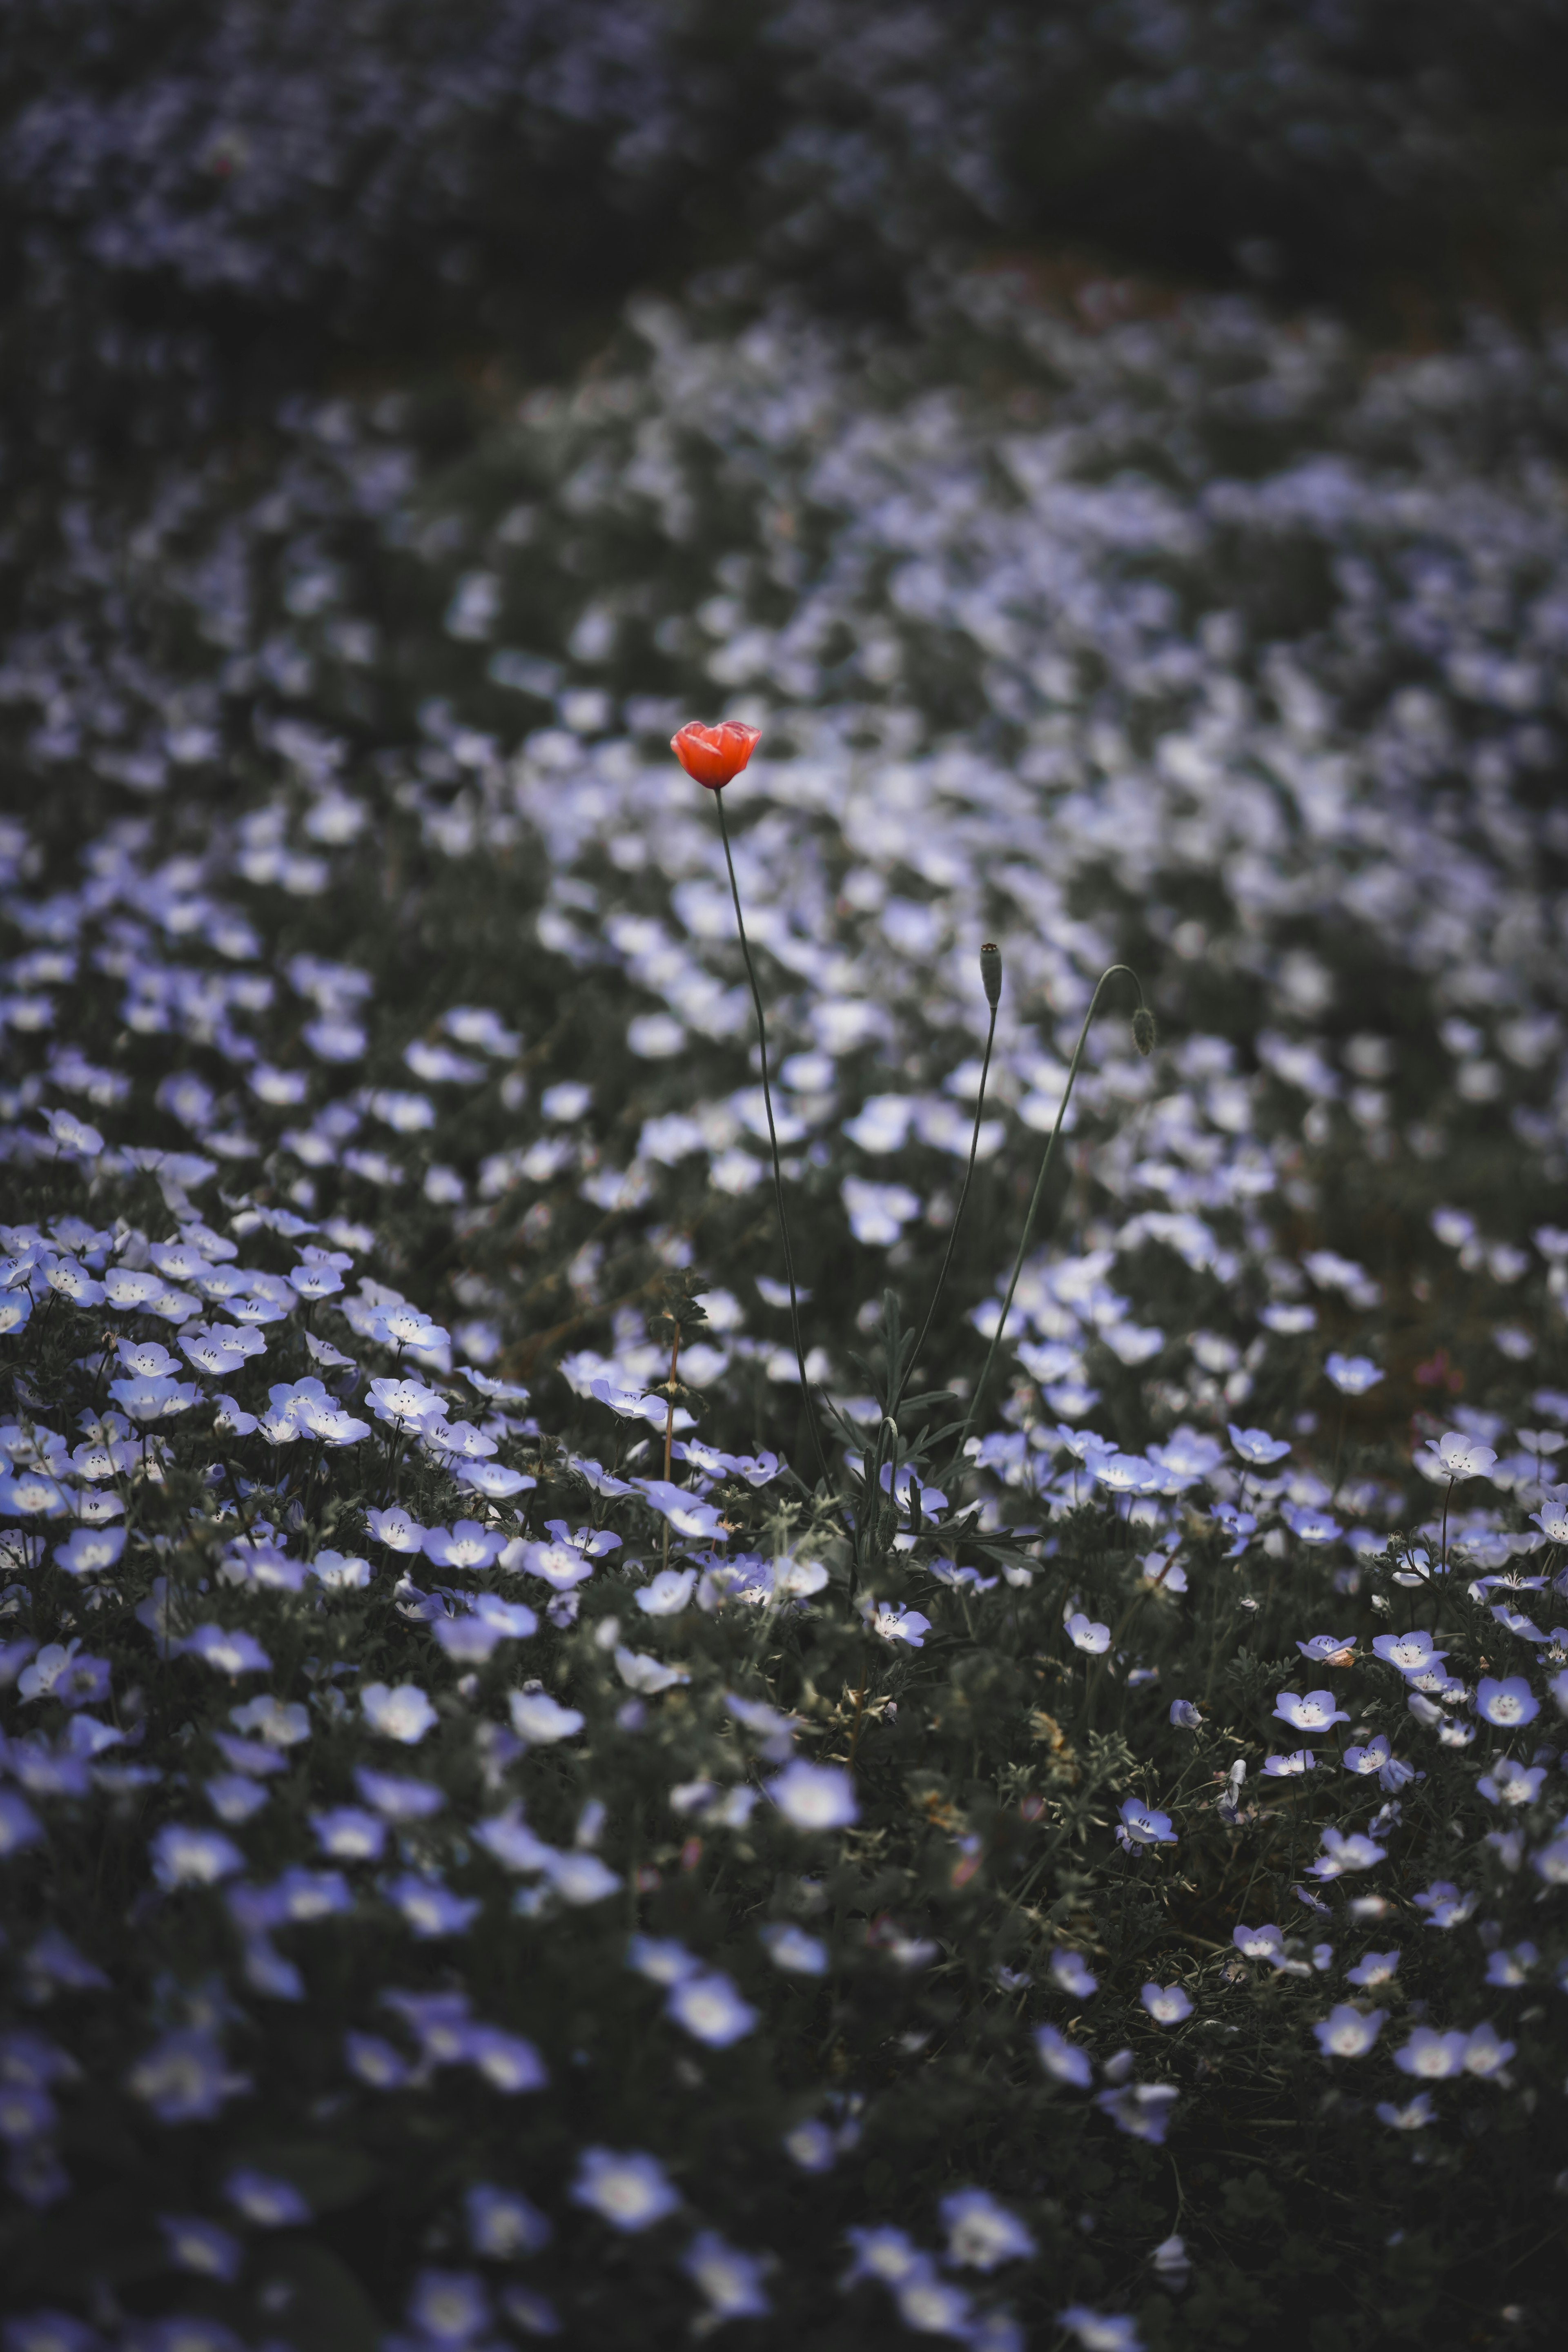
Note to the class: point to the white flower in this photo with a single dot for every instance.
(1455, 1455)
(645, 1674)
(540, 1719)
(403, 1712)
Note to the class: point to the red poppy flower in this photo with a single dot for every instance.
(712, 755)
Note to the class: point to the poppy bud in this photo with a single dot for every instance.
(1143, 1030)
(991, 973)
(712, 755)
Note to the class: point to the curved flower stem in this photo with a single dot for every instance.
(914, 1355)
(773, 1136)
(1108, 973)
(669, 1429)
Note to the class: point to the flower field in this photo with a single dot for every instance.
(533, 1805)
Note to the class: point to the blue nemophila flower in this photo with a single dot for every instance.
(1486, 2053)
(1143, 1825)
(815, 1796)
(1265, 1943)
(1455, 1455)
(1291, 1765)
(1166, 2004)
(449, 2308)
(212, 1353)
(1329, 1650)
(201, 2247)
(1311, 1527)
(1062, 2058)
(812, 2146)
(1142, 2110)
(1352, 1375)
(396, 1797)
(266, 2201)
(349, 1833)
(981, 2234)
(467, 1639)
(396, 1528)
(530, 2313)
(930, 2305)
(429, 1906)
(893, 1623)
(1510, 1967)
(375, 2062)
(1414, 2116)
(227, 1652)
(234, 1797)
(710, 2010)
(507, 2061)
(1255, 1447)
(1411, 1654)
(503, 2223)
(540, 1719)
(27, 2113)
(1506, 1702)
(184, 1856)
(403, 1712)
(1373, 1968)
(185, 2078)
(154, 1400)
(1070, 1973)
(662, 1959)
(1348, 2031)
(280, 1723)
(1342, 1853)
(628, 2190)
(887, 2253)
(1431, 2055)
(791, 1948)
(576, 1879)
(1443, 1905)
(667, 1593)
(560, 1565)
(1086, 1636)
(1511, 1783)
(404, 1403)
(1099, 2331)
(1315, 1711)
(341, 1571)
(509, 1839)
(65, 1672)
(1125, 1474)
(89, 1551)
(646, 1675)
(32, 1495)
(730, 2281)
(70, 1280)
(1184, 1714)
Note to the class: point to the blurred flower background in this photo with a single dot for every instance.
(494, 1773)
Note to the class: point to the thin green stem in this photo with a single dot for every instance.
(1109, 973)
(773, 1136)
(914, 1354)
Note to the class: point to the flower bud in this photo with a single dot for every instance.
(1143, 1030)
(991, 973)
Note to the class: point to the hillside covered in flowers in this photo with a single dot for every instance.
(532, 1804)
